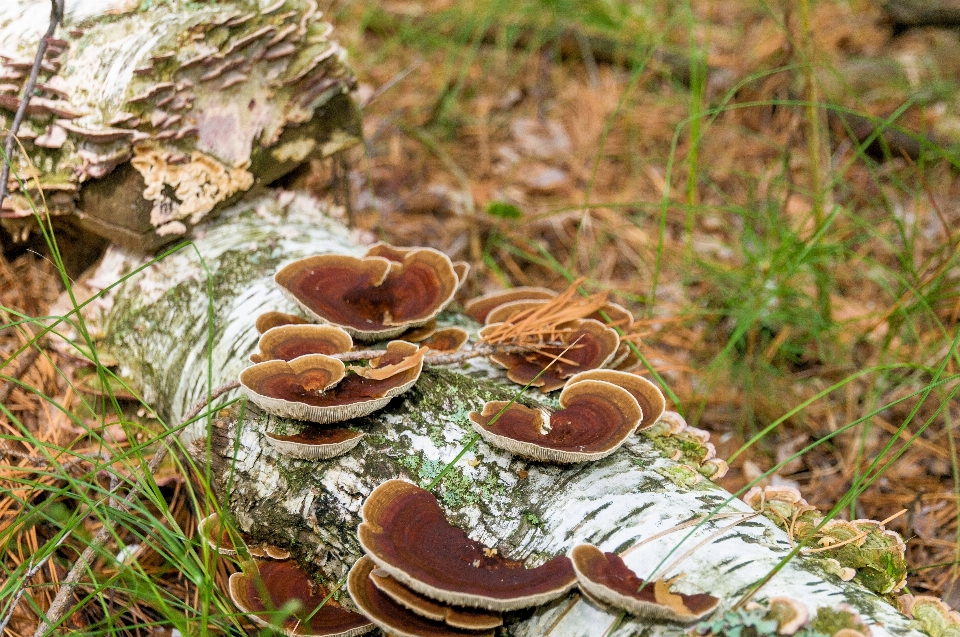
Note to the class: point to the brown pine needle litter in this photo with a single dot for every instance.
(545, 324)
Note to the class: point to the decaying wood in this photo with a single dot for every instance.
(156, 324)
(145, 124)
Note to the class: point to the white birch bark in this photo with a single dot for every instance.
(156, 324)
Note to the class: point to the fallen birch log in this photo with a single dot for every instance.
(156, 325)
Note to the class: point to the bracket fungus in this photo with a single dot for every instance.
(397, 254)
(287, 342)
(293, 389)
(593, 345)
(269, 320)
(605, 577)
(689, 446)
(101, 93)
(219, 539)
(467, 618)
(317, 388)
(314, 442)
(932, 614)
(595, 419)
(371, 297)
(284, 582)
(406, 533)
(480, 307)
(396, 617)
(877, 554)
(648, 395)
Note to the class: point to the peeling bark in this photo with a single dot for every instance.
(157, 325)
(149, 120)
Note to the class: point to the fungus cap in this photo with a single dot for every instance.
(466, 618)
(607, 578)
(447, 340)
(315, 442)
(399, 357)
(216, 536)
(406, 533)
(595, 346)
(372, 297)
(278, 389)
(289, 389)
(595, 419)
(791, 614)
(287, 342)
(480, 307)
(284, 582)
(610, 314)
(272, 319)
(394, 253)
(648, 395)
(219, 539)
(395, 618)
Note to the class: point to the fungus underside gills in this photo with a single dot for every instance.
(476, 436)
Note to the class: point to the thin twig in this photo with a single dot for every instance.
(32, 570)
(71, 581)
(56, 17)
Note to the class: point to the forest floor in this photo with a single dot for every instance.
(796, 279)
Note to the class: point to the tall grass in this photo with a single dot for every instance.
(767, 337)
(834, 300)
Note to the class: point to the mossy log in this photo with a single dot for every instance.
(150, 117)
(156, 325)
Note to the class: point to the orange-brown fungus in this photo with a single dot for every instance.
(260, 595)
(480, 307)
(269, 320)
(287, 342)
(591, 344)
(372, 297)
(406, 533)
(393, 617)
(605, 577)
(595, 419)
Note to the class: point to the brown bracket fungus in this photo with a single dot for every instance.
(293, 389)
(595, 346)
(219, 539)
(287, 342)
(466, 618)
(406, 533)
(595, 420)
(648, 395)
(315, 443)
(285, 582)
(393, 253)
(446, 340)
(480, 307)
(372, 298)
(396, 618)
(399, 357)
(605, 577)
(318, 389)
(269, 320)
(610, 314)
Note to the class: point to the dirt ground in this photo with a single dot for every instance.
(765, 269)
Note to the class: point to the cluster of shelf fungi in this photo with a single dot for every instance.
(420, 575)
